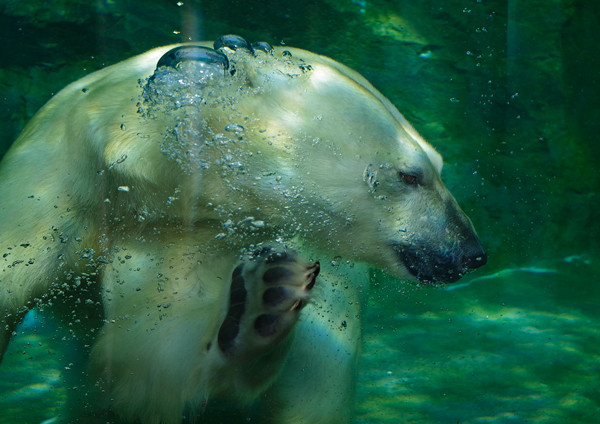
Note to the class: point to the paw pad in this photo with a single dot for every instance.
(237, 306)
(277, 275)
(266, 296)
(266, 324)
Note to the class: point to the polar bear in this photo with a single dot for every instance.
(191, 196)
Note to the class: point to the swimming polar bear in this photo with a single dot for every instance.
(178, 192)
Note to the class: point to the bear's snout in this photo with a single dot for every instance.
(430, 265)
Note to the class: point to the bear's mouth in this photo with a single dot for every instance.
(431, 266)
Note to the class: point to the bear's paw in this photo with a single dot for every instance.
(266, 296)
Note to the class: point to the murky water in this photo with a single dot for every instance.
(520, 345)
(506, 91)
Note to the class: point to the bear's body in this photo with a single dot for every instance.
(175, 196)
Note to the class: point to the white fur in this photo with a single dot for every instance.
(166, 225)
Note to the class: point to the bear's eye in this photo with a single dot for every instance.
(408, 179)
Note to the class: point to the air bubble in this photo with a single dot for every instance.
(234, 128)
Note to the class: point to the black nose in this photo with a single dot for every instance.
(474, 257)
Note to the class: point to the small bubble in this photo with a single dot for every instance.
(234, 128)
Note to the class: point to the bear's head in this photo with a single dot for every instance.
(280, 143)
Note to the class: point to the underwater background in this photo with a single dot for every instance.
(508, 91)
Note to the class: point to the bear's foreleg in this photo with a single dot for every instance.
(182, 328)
(317, 384)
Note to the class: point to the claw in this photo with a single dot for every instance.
(297, 305)
(312, 273)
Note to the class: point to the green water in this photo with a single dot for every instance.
(506, 90)
(521, 346)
